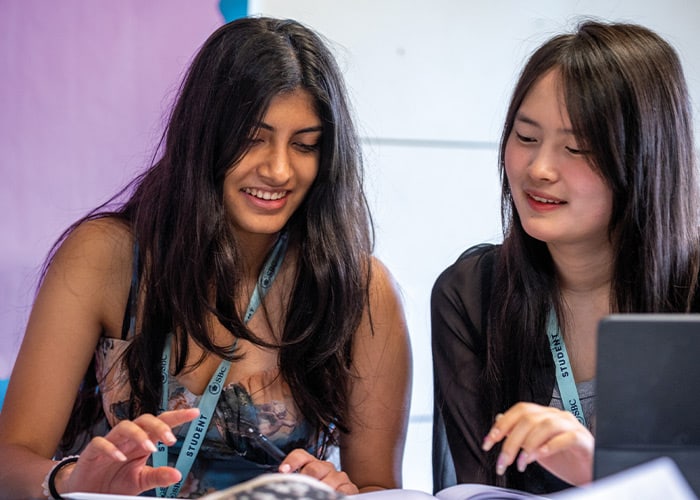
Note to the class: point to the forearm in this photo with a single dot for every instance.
(22, 472)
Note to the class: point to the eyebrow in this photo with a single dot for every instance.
(306, 130)
(520, 117)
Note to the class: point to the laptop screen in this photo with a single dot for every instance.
(648, 392)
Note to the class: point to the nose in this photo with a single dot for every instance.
(543, 166)
(276, 168)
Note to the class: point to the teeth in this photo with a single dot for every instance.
(544, 200)
(265, 195)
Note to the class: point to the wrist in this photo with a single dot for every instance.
(62, 478)
(56, 478)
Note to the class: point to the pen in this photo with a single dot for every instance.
(268, 446)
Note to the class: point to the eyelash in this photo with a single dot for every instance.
(303, 147)
(307, 148)
(530, 140)
(524, 139)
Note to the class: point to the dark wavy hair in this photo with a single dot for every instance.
(186, 248)
(627, 99)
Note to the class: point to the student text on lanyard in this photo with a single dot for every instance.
(210, 397)
(565, 376)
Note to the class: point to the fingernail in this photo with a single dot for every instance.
(490, 439)
(284, 468)
(522, 461)
(170, 437)
(119, 456)
(501, 464)
(498, 417)
(148, 444)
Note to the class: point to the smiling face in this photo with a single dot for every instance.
(264, 189)
(559, 196)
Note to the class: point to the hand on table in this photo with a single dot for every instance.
(305, 463)
(116, 463)
(552, 437)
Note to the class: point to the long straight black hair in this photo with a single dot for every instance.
(628, 103)
(186, 248)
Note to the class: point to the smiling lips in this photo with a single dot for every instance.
(539, 203)
(540, 199)
(265, 195)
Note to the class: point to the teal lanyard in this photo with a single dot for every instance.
(208, 401)
(562, 366)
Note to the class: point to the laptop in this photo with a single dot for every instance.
(648, 393)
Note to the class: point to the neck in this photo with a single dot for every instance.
(584, 276)
(583, 269)
(253, 249)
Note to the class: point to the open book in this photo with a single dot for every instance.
(264, 487)
(457, 492)
(298, 486)
(651, 481)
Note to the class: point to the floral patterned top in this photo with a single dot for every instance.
(227, 455)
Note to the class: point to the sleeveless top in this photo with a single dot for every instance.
(263, 401)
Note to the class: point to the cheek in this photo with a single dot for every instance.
(512, 161)
(514, 152)
(605, 206)
(229, 192)
(597, 195)
(309, 173)
(592, 185)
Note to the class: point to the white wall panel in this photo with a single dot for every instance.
(429, 204)
(444, 69)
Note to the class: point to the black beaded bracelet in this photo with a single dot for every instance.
(52, 477)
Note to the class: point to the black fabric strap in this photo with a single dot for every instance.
(52, 477)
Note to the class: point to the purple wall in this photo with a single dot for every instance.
(85, 88)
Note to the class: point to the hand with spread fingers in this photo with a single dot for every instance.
(554, 438)
(305, 463)
(116, 463)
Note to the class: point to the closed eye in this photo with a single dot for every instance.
(252, 141)
(306, 148)
(575, 151)
(525, 139)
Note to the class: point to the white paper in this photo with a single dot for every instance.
(658, 479)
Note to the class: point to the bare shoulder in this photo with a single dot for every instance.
(384, 318)
(96, 250)
(382, 283)
(97, 241)
(92, 267)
